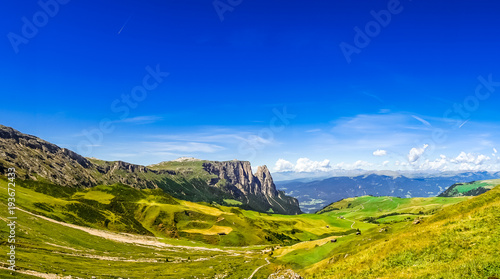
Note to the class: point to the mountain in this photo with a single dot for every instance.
(313, 195)
(229, 182)
(474, 188)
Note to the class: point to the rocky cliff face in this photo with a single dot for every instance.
(237, 177)
(36, 159)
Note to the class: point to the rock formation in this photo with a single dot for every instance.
(36, 159)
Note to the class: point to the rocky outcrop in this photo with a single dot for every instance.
(239, 175)
(259, 189)
(36, 159)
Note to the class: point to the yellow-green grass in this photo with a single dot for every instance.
(47, 247)
(99, 196)
(461, 241)
(282, 251)
(361, 208)
(233, 202)
(124, 209)
(214, 230)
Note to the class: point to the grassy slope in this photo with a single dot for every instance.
(369, 215)
(152, 212)
(461, 241)
(51, 248)
(470, 189)
(386, 209)
(197, 224)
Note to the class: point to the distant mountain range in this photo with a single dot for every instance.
(225, 183)
(316, 194)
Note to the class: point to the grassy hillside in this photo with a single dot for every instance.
(461, 241)
(44, 247)
(150, 212)
(470, 189)
(130, 233)
(384, 210)
(373, 217)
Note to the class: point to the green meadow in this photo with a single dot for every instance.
(113, 231)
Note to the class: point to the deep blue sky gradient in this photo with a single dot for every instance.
(227, 76)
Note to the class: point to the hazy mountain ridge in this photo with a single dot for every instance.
(314, 195)
(195, 180)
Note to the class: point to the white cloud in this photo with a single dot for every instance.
(302, 165)
(283, 165)
(307, 165)
(463, 162)
(415, 153)
(470, 158)
(379, 152)
(385, 163)
(439, 164)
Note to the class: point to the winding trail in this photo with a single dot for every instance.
(257, 269)
(130, 238)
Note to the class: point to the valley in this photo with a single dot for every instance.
(192, 218)
(55, 241)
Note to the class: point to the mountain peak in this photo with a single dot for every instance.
(194, 179)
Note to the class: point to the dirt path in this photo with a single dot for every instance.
(39, 274)
(257, 269)
(128, 238)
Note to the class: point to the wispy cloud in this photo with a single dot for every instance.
(426, 123)
(186, 147)
(146, 119)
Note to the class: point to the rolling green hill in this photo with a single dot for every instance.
(375, 216)
(470, 189)
(152, 212)
(460, 241)
(126, 232)
(186, 178)
(383, 210)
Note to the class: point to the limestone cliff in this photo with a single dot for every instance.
(259, 189)
(189, 179)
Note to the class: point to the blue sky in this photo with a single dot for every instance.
(262, 81)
